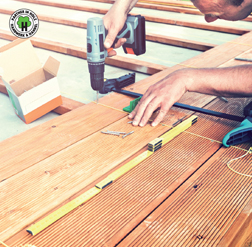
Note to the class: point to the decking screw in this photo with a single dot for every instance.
(128, 134)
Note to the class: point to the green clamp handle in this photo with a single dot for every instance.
(133, 104)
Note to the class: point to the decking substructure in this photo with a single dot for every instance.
(182, 195)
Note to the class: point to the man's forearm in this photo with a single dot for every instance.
(124, 5)
(230, 82)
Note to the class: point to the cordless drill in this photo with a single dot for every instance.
(133, 30)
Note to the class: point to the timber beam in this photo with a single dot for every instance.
(76, 51)
(147, 17)
(141, 5)
(196, 45)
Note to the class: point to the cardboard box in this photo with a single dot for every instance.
(33, 89)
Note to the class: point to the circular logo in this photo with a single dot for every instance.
(24, 23)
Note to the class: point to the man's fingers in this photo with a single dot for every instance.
(112, 53)
(159, 118)
(133, 113)
(112, 33)
(140, 109)
(120, 42)
(162, 112)
(151, 107)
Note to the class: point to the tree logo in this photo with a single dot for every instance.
(24, 23)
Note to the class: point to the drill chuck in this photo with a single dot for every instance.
(96, 75)
(97, 81)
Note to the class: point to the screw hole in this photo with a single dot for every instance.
(199, 237)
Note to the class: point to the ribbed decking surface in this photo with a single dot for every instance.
(120, 205)
(99, 219)
(205, 210)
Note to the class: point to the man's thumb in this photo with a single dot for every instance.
(110, 38)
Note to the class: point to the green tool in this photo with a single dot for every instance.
(244, 132)
(237, 136)
(133, 104)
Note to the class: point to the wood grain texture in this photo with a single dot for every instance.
(66, 172)
(76, 51)
(53, 136)
(128, 200)
(238, 207)
(202, 209)
(238, 234)
(137, 192)
(183, 4)
(208, 26)
(72, 137)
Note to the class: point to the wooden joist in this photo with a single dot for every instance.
(205, 26)
(68, 170)
(198, 25)
(201, 46)
(67, 105)
(183, 4)
(196, 45)
(141, 5)
(118, 61)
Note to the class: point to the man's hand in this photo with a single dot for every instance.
(163, 94)
(114, 21)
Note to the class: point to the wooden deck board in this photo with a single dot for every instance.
(119, 61)
(46, 139)
(200, 215)
(122, 202)
(127, 201)
(69, 171)
(74, 157)
(115, 100)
